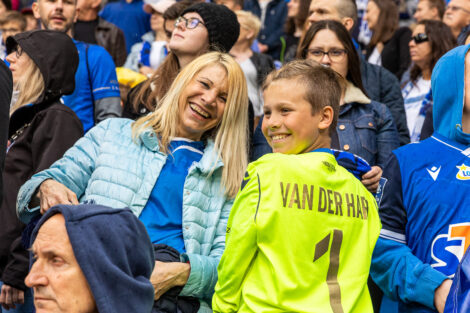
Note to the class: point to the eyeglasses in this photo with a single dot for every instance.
(455, 8)
(419, 38)
(189, 23)
(335, 55)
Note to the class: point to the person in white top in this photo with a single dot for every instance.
(431, 40)
(146, 56)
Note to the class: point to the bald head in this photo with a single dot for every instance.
(344, 11)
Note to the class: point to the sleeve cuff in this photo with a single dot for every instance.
(430, 280)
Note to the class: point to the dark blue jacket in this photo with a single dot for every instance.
(273, 27)
(382, 86)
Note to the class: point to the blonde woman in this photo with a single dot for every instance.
(178, 169)
(41, 130)
(255, 65)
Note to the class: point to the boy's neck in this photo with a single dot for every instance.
(324, 142)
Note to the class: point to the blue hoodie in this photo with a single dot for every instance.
(424, 207)
(448, 102)
(114, 252)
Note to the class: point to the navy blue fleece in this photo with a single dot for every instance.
(114, 252)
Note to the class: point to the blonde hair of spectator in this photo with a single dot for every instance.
(230, 136)
(250, 22)
(30, 85)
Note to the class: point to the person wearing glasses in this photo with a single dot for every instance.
(457, 16)
(41, 129)
(147, 55)
(365, 127)
(201, 28)
(430, 41)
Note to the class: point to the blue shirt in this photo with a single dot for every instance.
(162, 216)
(96, 73)
(130, 17)
(424, 213)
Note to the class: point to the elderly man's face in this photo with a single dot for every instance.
(457, 14)
(56, 277)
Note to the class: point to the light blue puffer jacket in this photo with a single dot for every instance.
(107, 166)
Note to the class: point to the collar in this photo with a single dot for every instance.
(354, 94)
(210, 161)
(451, 143)
(325, 150)
(103, 24)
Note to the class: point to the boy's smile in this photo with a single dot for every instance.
(288, 124)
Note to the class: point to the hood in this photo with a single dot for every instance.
(56, 56)
(448, 86)
(114, 252)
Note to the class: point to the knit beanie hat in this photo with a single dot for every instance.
(221, 23)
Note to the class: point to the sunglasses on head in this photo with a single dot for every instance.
(419, 38)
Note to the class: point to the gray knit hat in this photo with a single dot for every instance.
(221, 23)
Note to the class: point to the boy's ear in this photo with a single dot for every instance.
(327, 116)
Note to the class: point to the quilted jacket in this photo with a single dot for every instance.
(110, 168)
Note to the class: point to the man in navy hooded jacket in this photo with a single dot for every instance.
(90, 258)
(424, 208)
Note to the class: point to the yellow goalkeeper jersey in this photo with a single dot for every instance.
(300, 238)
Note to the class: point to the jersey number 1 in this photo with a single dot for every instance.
(332, 276)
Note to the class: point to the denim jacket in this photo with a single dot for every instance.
(366, 128)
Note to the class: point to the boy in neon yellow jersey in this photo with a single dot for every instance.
(302, 229)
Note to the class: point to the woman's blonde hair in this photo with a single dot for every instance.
(230, 135)
(249, 21)
(30, 85)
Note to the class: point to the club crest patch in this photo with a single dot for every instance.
(463, 173)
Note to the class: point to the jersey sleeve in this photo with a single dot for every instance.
(401, 275)
(394, 268)
(240, 245)
(391, 210)
(102, 73)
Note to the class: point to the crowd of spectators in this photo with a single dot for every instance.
(138, 137)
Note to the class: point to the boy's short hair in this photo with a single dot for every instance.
(249, 21)
(323, 86)
(14, 16)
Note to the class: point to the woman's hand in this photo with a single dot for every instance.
(52, 193)
(168, 275)
(10, 297)
(146, 70)
(371, 179)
